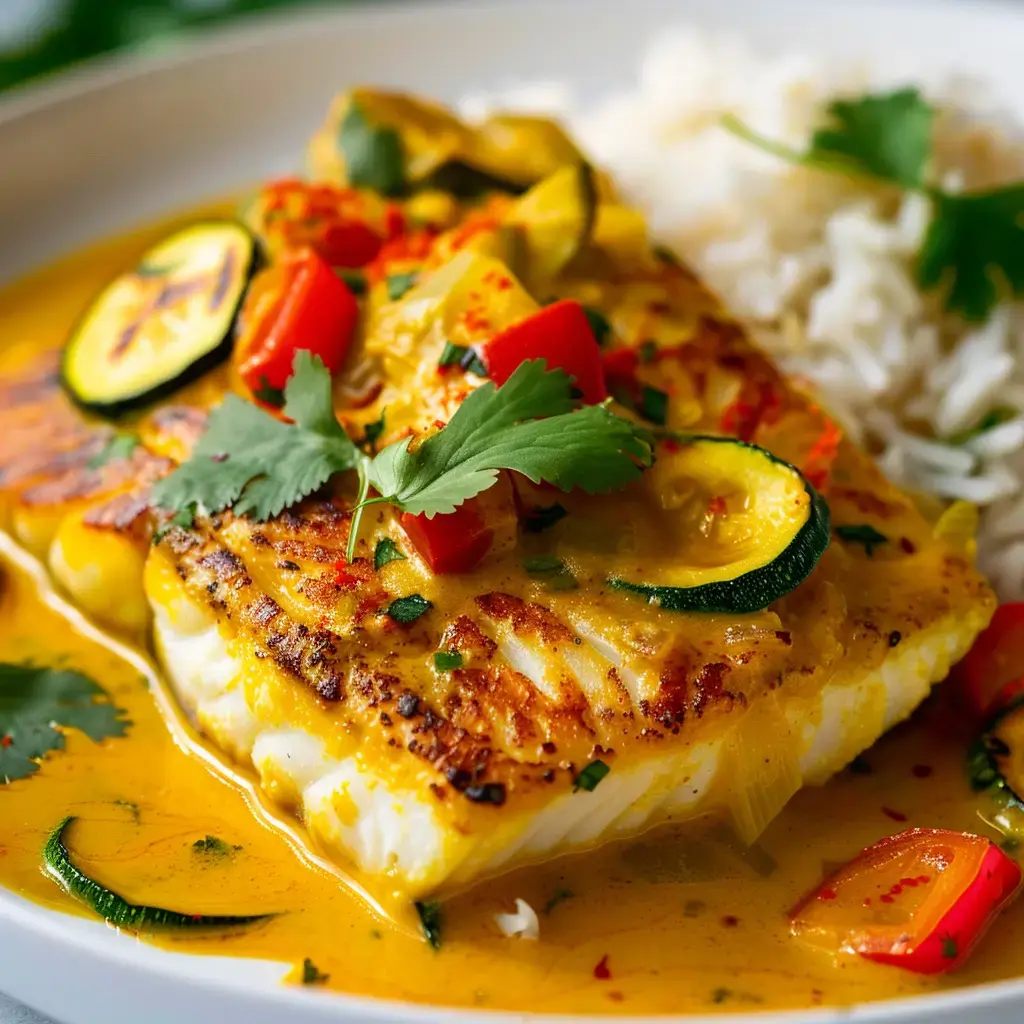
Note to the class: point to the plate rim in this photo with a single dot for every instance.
(37, 98)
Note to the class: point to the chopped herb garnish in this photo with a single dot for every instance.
(950, 947)
(993, 418)
(447, 661)
(269, 395)
(252, 462)
(355, 280)
(409, 609)
(552, 570)
(654, 405)
(647, 351)
(373, 154)
(431, 921)
(119, 447)
(540, 518)
(399, 284)
(386, 551)
(598, 324)
(472, 363)
(312, 975)
(184, 518)
(589, 778)
(974, 246)
(214, 847)
(666, 255)
(558, 896)
(862, 534)
(372, 432)
(452, 354)
(37, 704)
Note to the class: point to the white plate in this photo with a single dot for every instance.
(102, 148)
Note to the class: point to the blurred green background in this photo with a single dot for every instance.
(38, 37)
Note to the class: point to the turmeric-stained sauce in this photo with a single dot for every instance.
(679, 921)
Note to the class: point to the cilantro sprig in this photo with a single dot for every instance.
(258, 465)
(974, 246)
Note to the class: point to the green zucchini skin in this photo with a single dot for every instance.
(986, 776)
(755, 590)
(111, 907)
(203, 364)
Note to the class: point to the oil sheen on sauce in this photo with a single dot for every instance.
(678, 921)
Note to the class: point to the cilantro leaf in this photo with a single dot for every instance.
(251, 461)
(408, 609)
(975, 248)
(431, 920)
(386, 551)
(399, 284)
(119, 447)
(862, 533)
(887, 135)
(35, 703)
(527, 425)
(312, 975)
(373, 154)
(447, 661)
(589, 778)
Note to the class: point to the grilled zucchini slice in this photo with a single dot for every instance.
(163, 323)
(996, 766)
(754, 528)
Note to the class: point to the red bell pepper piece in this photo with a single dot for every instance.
(298, 303)
(992, 671)
(331, 220)
(920, 900)
(455, 542)
(561, 335)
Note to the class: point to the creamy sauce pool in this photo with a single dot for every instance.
(679, 921)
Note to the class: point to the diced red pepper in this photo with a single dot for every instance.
(402, 253)
(298, 303)
(920, 900)
(817, 466)
(333, 221)
(759, 402)
(455, 542)
(992, 672)
(561, 335)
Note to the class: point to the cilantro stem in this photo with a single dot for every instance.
(731, 123)
(357, 512)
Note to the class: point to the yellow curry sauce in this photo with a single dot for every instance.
(678, 921)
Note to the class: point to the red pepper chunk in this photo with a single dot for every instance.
(298, 303)
(561, 335)
(992, 672)
(920, 900)
(455, 542)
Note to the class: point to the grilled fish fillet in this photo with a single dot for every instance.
(427, 780)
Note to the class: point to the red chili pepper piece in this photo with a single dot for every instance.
(450, 543)
(297, 304)
(602, 972)
(920, 900)
(561, 335)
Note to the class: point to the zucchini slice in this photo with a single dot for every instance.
(113, 908)
(767, 532)
(164, 323)
(996, 766)
(555, 219)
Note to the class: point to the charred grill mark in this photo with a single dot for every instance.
(531, 620)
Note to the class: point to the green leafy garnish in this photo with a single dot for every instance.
(472, 363)
(373, 154)
(37, 703)
(993, 418)
(552, 570)
(447, 661)
(312, 975)
(974, 246)
(527, 425)
(591, 776)
(598, 324)
(355, 280)
(862, 534)
(399, 284)
(258, 465)
(452, 354)
(119, 447)
(430, 920)
(647, 350)
(409, 609)
(268, 394)
(386, 551)
(950, 947)
(213, 846)
(372, 432)
(115, 909)
(653, 405)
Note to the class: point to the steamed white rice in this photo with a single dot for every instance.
(821, 266)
